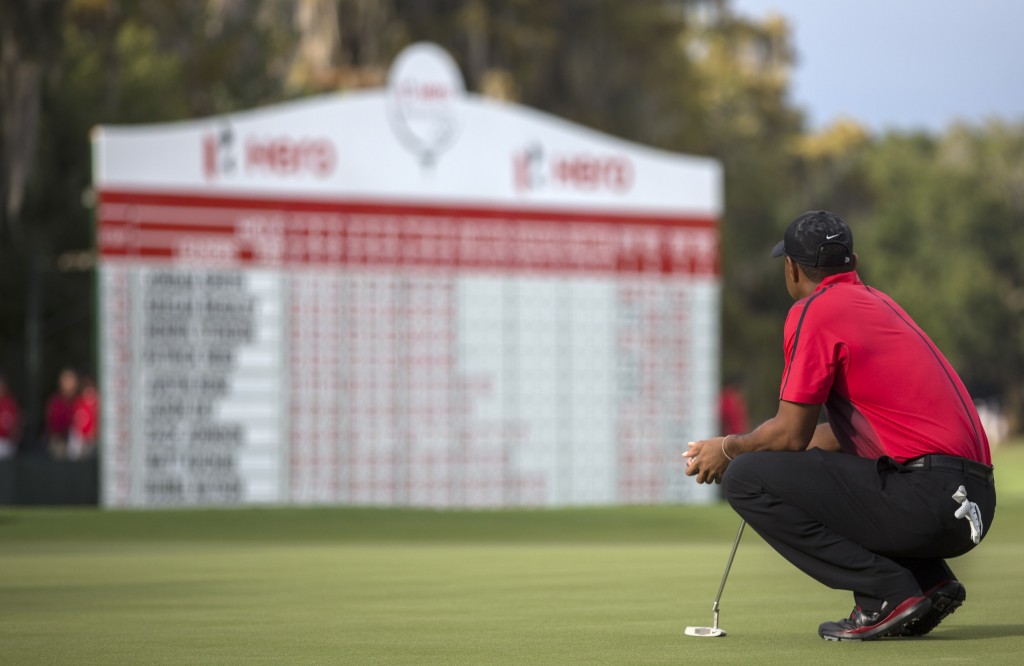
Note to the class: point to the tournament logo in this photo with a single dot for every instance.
(425, 91)
(528, 168)
(228, 153)
(219, 152)
(534, 169)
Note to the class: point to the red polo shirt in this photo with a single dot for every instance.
(888, 389)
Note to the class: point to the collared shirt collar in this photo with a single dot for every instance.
(849, 277)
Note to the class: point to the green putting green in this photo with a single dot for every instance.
(366, 586)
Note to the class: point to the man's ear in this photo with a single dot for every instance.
(794, 270)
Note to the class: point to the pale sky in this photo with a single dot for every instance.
(904, 64)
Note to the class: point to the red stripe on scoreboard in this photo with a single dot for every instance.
(251, 231)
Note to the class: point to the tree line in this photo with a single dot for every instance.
(937, 217)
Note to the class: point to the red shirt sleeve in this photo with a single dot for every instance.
(813, 355)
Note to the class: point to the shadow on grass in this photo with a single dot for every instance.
(977, 632)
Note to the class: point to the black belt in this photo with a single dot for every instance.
(965, 465)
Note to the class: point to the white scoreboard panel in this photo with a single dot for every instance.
(405, 296)
(192, 364)
(261, 350)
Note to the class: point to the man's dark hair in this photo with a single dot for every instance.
(819, 273)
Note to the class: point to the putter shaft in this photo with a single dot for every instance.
(728, 565)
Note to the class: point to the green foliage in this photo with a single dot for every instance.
(941, 234)
(742, 89)
(117, 76)
(937, 218)
(614, 66)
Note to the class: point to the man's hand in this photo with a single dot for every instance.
(791, 429)
(706, 461)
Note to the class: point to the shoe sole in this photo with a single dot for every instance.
(945, 601)
(907, 617)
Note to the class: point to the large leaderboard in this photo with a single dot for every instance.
(411, 296)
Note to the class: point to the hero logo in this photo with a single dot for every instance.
(279, 156)
(581, 172)
(219, 153)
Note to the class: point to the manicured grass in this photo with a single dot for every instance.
(325, 586)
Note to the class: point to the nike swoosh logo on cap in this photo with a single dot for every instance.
(833, 236)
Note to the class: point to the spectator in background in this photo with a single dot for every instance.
(84, 422)
(732, 408)
(10, 421)
(60, 410)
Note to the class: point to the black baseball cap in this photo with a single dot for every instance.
(809, 234)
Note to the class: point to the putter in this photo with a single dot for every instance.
(714, 630)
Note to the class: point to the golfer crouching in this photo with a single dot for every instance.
(897, 481)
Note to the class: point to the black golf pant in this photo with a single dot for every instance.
(869, 526)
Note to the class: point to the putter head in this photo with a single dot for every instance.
(705, 632)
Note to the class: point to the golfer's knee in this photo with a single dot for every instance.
(739, 483)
